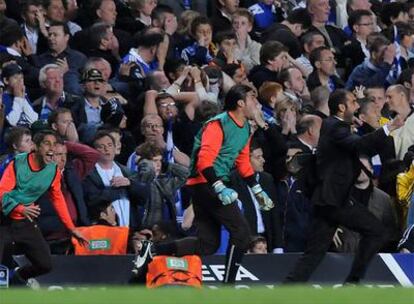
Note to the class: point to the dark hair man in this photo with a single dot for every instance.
(222, 143)
(25, 180)
(338, 167)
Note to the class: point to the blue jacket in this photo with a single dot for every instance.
(369, 75)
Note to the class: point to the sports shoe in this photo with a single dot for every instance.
(142, 259)
(407, 241)
(33, 284)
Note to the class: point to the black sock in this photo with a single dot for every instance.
(164, 248)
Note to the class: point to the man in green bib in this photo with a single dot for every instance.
(222, 143)
(25, 179)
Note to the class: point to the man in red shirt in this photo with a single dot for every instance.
(26, 178)
(222, 143)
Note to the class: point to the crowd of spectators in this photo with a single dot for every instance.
(127, 84)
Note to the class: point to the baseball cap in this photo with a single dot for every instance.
(92, 75)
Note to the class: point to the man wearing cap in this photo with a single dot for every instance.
(87, 113)
(17, 108)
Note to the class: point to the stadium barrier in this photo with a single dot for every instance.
(386, 270)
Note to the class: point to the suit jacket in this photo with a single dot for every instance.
(97, 194)
(337, 162)
(271, 219)
(70, 101)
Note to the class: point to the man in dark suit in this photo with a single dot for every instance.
(265, 223)
(338, 167)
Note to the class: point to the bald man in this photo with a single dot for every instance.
(397, 98)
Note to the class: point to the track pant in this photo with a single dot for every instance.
(210, 214)
(26, 238)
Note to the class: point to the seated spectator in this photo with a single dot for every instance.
(319, 99)
(18, 140)
(296, 207)
(51, 81)
(5, 21)
(306, 142)
(287, 114)
(377, 94)
(17, 107)
(397, 98)
(294, 86)
(361, 22)
(104, 230)
(141, 10)
(221, 18)
(273, 58)
(379, 204)
(71, 61)
(144, 54)
(392, 13)
(104, 215)
(102, 11)
(75, 161)
(376, 70)
(319, 10)
(115, 123)
(370, 115)
(152, 128)
(265, 13)
(258, 245)
(103, 44)
(309, 41)
(247, 50)
(270, 94)
(164, 185)
(87, 113)
(202, 49)
(237, 72)
(324, 73)
(34, 25)
(289, 30)
(179, 125)
(264, 223)
(226, 42)
(403, 33)
(115, 87)
(62, 122)
(55, 12)
(18, 49)
(110, 181)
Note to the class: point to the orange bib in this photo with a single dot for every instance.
(103, 240)
(169, 270)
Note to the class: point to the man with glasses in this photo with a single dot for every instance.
(361, 23)
(324, 73)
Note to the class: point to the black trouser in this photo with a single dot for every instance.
(26, 238)
(210, 215)
(326, 219)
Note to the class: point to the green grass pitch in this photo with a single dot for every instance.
(278, 295)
